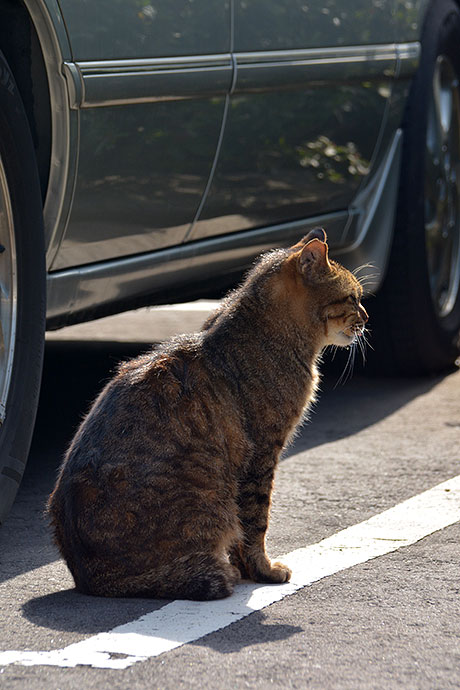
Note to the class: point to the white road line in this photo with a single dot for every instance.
(185, 621)
(199, 305)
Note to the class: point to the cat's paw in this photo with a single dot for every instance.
(280, 572)
(274, 573)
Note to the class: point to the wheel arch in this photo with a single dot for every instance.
(410, 336)
(20, 45)
(34, 42)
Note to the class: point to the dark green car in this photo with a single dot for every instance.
(150, 149)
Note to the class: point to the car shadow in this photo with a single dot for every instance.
(344, 409)
(74, 372)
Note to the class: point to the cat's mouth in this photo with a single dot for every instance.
(353, 332)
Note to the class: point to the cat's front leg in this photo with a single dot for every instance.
(254, 498)
(257, 566)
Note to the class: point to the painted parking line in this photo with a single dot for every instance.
(180, 622)
(199, 305)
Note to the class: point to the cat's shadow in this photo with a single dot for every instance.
(250, 631)
(69, 611)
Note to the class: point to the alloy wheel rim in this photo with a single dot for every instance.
(8, 292)
(442, 188)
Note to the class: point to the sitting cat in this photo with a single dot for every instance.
(165, 490)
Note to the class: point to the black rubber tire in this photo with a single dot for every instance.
(409, 337)
(18, 158)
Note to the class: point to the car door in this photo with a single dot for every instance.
(312, 85)
(148, 81)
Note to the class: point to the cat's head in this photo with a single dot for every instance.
(329, 292)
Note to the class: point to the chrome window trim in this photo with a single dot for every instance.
(122, 82)
(343, 54)
(272, 70)
(409, 51)
(93, 67)
(125, 82)
(408, 58)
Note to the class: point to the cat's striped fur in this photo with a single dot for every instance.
(165, 490)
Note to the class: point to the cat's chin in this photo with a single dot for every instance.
(343, 339)
(349, 336)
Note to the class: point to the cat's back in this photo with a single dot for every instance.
(143, 395)
(157, 412)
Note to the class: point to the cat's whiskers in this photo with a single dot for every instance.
(363, 267)
(349, 365)
(368, 279)
(362, 342)
(334, 351)
(365, 333)
(369, 276)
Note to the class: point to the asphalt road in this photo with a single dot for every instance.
(389, 622)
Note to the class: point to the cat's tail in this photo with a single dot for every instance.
(201, 577)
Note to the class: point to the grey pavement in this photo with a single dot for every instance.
(392, 622)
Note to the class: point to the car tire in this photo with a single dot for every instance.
(22, 288)
(416, 322)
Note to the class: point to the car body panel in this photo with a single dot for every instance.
(295, 145)
(148, 126)
(409, 18)
(193, 125)
(127, 29)
(273, 25)
(181, 272)
(135, 191)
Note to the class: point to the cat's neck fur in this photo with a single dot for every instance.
(269, 359)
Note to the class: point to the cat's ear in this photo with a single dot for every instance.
(315, 234)
(313, 259)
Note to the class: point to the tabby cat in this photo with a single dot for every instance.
(165, 490)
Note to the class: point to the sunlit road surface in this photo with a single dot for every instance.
(366, 505)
